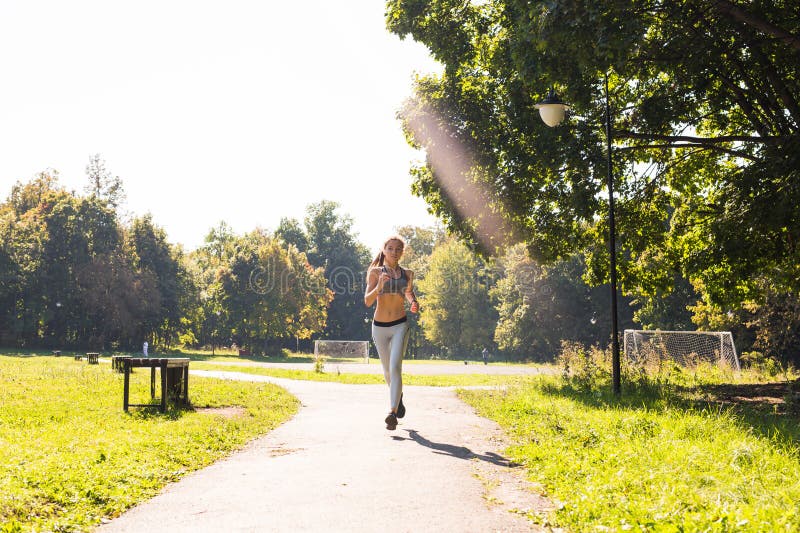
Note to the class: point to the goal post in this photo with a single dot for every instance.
(684, 347)
(342, 349)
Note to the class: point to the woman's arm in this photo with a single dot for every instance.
(375, 283)
(410, 296)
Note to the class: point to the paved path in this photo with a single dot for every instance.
(334, 467)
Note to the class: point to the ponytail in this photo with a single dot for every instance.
(378, 261)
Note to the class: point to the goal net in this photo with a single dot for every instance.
(684, 347)
(342, 349)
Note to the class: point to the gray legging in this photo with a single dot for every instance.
(391, 345)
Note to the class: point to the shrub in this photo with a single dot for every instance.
(584, 368)
(319, 363)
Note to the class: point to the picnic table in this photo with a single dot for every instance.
(174, 379)
(92, 358)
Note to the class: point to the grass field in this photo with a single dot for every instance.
(70, 456)
(684, 451)
(671, 458)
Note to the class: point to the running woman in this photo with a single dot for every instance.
(390, 285)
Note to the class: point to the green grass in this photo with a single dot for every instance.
(677, 452)
(666, 461)
(453, 380)
(70, 456)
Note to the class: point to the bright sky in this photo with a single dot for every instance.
(241, 110)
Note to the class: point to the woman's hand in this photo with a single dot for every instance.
(383, 278)
(414, 306)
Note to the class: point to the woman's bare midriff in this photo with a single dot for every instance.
(390, 307)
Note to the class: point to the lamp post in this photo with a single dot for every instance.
(552, 111)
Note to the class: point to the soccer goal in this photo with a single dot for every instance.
(684, 347)
(342, 349)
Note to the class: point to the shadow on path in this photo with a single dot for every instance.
(461, 452)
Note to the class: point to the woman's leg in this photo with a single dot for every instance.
(382, 337)
(397, 350)
(391, 345)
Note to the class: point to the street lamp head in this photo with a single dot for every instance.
(552, 109)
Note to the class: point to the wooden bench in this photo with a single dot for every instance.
(174, 379)
(116, 363)
(92, 358)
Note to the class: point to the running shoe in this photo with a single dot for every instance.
(401, 409)
(391, 422)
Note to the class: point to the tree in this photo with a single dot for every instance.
(333, 246)
(153, 255)
(26, 196)
(207, 322)
(770, 325)
(270, 292)
(10, 275)
(541, 306)
(776, 325)
(102, 184)
(456, 312)
(24, 232)
(71, 276)
(291, 232)
(669, 309)
(76, 231)
(219, 242)
(115, 300)
(420, 241)
(705, 110)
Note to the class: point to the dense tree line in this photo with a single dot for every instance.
(73, 275)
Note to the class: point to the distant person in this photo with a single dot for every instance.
(485, 356)
(390, 285)
(144, 348)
